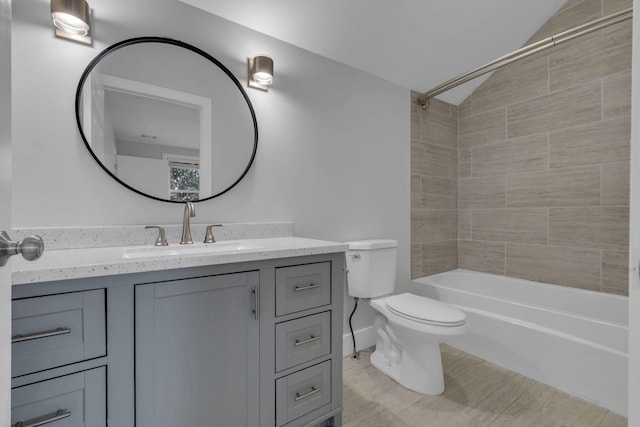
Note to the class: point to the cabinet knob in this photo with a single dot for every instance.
(31, 248)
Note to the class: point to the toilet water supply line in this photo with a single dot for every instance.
(355, 354)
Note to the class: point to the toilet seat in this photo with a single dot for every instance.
(425, 310)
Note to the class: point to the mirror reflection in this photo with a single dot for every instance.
(166, 120)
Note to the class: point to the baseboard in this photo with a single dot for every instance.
(365, 338)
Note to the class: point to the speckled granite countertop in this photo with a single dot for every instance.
(64, 264)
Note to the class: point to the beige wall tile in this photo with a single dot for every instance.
(598, 142)
(615, 272)
(464, 109)
(439, 107)
(511, 225)
(529, 153)
(612, 6)
(433, 225)
(579, 268)
(415, 123)
(600, 227)
(439, 193)
(416, 261)
(615, 184)
(579, 186)
(481, 129)
(591, 57)
(574, 12)
(439, 257)
(569, 107)
(439, 130)
(464, 224)
(616, 96)
(415, 191)
(498, 145)
(488, 257)
(464, 162)
(486, 192)
(454, 111)
(433, 160)
(454, 225)
(516, 82)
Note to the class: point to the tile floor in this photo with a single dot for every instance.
(477, 394)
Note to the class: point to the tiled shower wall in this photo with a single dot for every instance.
(543, 164)
(434, 188)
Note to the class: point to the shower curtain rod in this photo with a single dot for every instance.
(526, 51)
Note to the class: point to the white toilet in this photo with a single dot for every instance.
(409, 327)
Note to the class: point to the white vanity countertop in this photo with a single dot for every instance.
(93, 262)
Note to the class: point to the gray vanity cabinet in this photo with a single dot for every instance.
(247, 344)
(197, 352)
(58, 346)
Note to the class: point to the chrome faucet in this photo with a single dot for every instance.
(189, 211)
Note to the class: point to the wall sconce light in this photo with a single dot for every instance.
(72, 20)
(260, 71)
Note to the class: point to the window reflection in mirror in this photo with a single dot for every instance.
(184, 180)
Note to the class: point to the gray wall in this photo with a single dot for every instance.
(333, 155)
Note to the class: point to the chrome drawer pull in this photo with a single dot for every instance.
(38, 335)
(308, 394)
(305, 288)
(307, 341)
(45, 419)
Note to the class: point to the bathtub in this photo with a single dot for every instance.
(571, 339)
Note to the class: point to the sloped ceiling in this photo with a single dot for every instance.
(416, 44)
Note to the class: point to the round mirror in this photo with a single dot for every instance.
(166, 119)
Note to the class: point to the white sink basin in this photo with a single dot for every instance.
(230, 246)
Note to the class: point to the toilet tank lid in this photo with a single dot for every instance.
(367, 245)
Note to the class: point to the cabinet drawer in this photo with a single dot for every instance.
(302, 392)
(70, 401)
(301, 340)
(57, 330)
(302, 287)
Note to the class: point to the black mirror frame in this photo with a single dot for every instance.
(165, 40)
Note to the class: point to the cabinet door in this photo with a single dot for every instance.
(196, 347)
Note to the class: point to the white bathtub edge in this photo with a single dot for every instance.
(593, 369)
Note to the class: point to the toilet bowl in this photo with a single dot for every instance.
(415, 327)
(409, 328)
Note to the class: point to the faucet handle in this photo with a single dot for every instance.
(161, 240)
(208, 237)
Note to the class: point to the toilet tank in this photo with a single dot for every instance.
(372, 268)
